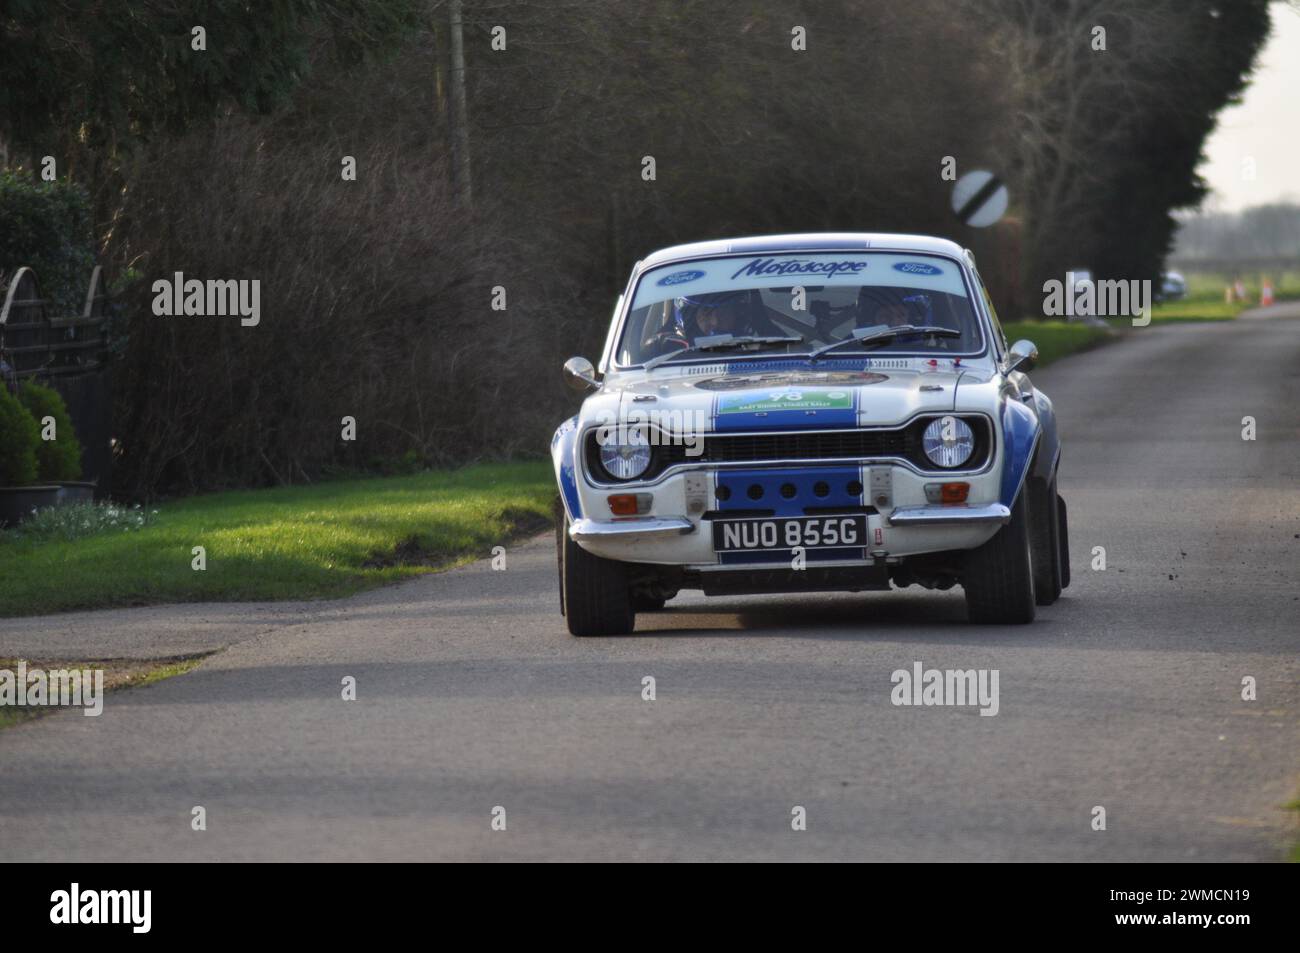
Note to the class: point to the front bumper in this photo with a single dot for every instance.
(587, 531)
(991, 513)
(682, 541)
(678, 530)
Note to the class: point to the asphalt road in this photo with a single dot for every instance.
(1126, 694)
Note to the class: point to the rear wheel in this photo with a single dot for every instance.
(1045, 536)
(998, 577)
(594, 593)
(1063, 533)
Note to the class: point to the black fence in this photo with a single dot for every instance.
(69, 354)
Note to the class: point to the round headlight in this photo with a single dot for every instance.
(625, 456)
(948, 442)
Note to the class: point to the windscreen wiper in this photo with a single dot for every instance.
(719, 342)
(881, 333)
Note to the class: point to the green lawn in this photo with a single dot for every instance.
(325, 540)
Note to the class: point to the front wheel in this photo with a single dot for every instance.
(998, 577)
(594, 592)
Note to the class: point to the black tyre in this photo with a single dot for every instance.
(1063, 534)
(561, 527)
(594, 592)
(998, 577)
(1045, 539)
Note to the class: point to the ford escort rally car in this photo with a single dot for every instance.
(807, 413)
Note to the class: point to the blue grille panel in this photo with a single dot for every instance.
(837, 479)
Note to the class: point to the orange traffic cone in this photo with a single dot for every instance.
(1266, 294)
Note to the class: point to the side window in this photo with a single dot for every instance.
(1000, 338)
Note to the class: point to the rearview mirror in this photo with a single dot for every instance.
(579, 374)
(1023, 356)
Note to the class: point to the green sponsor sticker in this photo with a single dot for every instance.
(793, 398)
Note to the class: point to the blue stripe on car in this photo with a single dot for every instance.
(1020, 435)
(565, 475)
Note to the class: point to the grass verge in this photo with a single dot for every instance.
(325, 540)
(118, 674)
(1293, 856)
(1196, 308)
(1056, 339)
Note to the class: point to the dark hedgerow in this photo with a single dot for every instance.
(46, 227)
(60, 458)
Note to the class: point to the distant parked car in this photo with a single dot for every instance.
(807, 413)
(1172, 286)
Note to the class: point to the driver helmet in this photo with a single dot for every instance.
(893, 306)
(688, 310)
(920, 308)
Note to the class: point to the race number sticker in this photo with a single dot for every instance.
(786, 399)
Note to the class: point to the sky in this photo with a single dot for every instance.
(1265, 127)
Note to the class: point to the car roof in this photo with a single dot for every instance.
(806, 242)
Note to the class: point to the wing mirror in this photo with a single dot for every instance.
(579, 374)
(1023, 356)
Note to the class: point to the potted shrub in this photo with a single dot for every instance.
(20, 437)
(58, 461)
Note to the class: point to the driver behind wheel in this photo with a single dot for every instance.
(877, 306)
(896, 307)
(709, 314)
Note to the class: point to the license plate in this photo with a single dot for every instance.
(810, 532)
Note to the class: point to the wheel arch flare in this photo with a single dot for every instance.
(1020, 436)
(565, 462)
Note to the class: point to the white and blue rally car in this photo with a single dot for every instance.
(804, 413)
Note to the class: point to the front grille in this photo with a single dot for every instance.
(760, 448)
(813, 445)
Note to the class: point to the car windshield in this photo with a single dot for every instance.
(814, 300)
